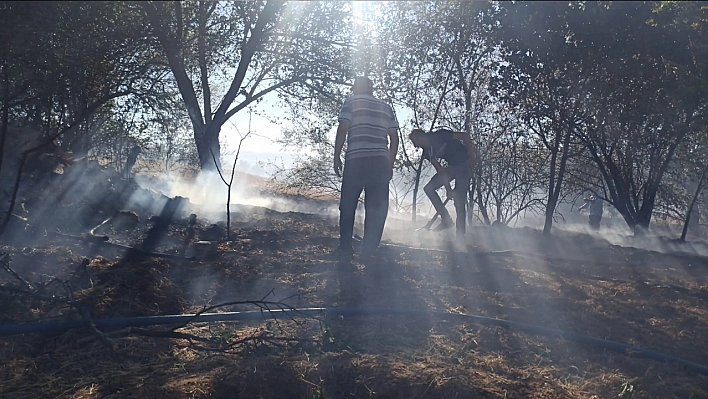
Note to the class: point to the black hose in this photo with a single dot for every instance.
(121, 322)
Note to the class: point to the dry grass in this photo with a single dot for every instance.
(652, 300)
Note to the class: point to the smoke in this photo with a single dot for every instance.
(250, 198)
(526, 235)
(208, 195)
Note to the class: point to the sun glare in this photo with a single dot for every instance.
(368, 57)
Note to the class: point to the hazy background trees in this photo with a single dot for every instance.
(562, 98)
(622, 97)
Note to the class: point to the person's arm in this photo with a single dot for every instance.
(342, 130)
(393, 149)
(470, 145)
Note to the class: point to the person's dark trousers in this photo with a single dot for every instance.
(595, 222)
(459, 194)
(462, 175)
(369, 174)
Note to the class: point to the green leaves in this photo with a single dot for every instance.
(631, 68)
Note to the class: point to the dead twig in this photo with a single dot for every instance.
(103, 240)
(263, 305)
(224, 344)
(32, 294)
(5, 261)
(166, 334)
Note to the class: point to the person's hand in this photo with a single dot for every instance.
(338, 166)
(390, 173)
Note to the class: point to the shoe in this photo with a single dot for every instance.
(344, 255)
(366, 257)
(444, 225)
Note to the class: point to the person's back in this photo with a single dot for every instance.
(367, 124)
(595, 207)
(444, 146)
(370, 119)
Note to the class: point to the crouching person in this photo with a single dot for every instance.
(461, 160)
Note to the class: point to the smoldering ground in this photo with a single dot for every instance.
(86, 193)
(250, 199)
(573, 281)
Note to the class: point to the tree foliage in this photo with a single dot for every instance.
(561, 97)
(61, 65)
(630, 107)
(252, 49)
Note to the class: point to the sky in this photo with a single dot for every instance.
(260, 147)
(264, 132)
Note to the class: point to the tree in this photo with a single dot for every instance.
(515, 172)
(438, 60)
(540, 77)
(59, 69)
(311, 175)
(298, 49)
(612, 60)
(643, 108)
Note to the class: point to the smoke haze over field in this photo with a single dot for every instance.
(263, 164)
(208, 194)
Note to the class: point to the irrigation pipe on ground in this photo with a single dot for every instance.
(122, 322)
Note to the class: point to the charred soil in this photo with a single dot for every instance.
(571, 282)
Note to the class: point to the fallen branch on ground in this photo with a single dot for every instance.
(103, 240)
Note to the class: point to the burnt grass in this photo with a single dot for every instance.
(572, 282)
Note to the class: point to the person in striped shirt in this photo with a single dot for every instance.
(369, 127)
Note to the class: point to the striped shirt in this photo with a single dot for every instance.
(370, 119)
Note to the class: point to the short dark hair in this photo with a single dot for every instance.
(363, 85)
(416, 133)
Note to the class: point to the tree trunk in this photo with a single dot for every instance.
(644, 214)
(208, 147)
(556, 182)
(548, 221)
(4, 119)
(639, 224)
(415, 190)
(15, 189)
(470, 200)
(552, 198)
(641, 228)
(482, 207)
(693, 202)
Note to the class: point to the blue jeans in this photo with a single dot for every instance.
(371, 175)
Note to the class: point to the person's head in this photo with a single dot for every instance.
(419, 138)
(363, 85)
